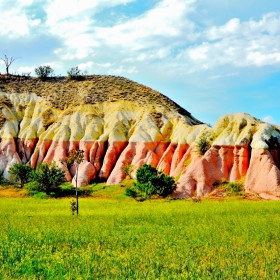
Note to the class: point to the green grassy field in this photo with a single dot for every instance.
(123, 239)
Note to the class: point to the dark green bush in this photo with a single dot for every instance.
(131, 192)
(48, 177)
(236, 188)
(3, 181)
(21, 173)
(149, 182)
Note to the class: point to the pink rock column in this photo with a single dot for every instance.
(263, 175)
(97, 153)
(112, 154)
(26, 148)
(166, 160)
(9, 156)
(86, 173)
(181, 167)
(241, 163)
(117, 175)
(178, 155)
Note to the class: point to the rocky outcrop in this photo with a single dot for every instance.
(242, 147)
(115, 133)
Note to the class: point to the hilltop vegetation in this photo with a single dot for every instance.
(62, 92)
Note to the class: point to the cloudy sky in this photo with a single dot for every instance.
(211, 57)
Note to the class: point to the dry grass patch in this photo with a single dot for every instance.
(12, 192)
(62, 93)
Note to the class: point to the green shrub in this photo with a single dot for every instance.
(73, 206)
(230, 188)
(41, 195)
(3, 181)
(74, 73)
(128, 169)
(149, 182)
(203, 144)
(44, 71)
(236, 187)
(48, 177)
(21, 172)
(131, 192)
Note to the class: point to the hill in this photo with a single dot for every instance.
(119, 122)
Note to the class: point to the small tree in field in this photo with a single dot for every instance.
(75, 158)
(21, 172)
(48, 177)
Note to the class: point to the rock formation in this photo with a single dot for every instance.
(119, 122)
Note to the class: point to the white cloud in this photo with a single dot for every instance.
(155, 31)
(75, 25)
(260, 59)
(104, 65)
(270, 119)
(218, 32)
(86, 66)
(167, 22)
(122, 70)
(236, 43)
(14, 20)
(223, 76)
(166, 38)
(72, 8)
(165, 35)
(26, 70)
(92, 66)
(25, 2)
(56, 65)
(14, 24)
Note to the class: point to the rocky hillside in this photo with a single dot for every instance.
(119, 122)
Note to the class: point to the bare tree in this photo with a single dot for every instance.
(8, 61)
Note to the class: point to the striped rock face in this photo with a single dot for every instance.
(116, 133)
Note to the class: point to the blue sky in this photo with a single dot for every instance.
(211, 57)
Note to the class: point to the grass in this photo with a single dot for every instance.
(66, 190)
(123, 239)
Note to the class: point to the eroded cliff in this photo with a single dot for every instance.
(119, 122)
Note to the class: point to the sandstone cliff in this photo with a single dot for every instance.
(119, 122)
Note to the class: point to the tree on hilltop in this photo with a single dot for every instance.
(43, 71)
(8, 61)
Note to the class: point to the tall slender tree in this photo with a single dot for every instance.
(75, 158)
